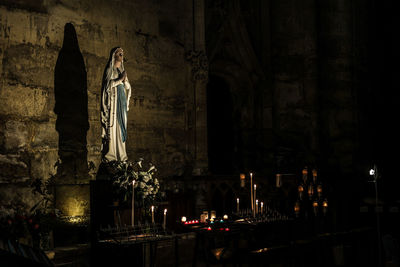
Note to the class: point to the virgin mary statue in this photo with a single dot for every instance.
(115, 95)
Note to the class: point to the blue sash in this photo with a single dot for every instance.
(121, 110)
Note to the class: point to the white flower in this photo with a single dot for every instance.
(142, 185)
(146, 178)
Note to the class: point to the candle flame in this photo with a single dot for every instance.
(165, 211)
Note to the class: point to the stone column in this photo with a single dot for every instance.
(199, 77)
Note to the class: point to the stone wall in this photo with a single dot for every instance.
(45, 118)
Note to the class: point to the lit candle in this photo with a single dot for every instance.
(310, 191)
(254, 200)
(251, 192)
(213, 214)
(242, 179)
(165, 218)
(319, 190)
(305, 173)
(237, 205)
(256, 206)
(278, 180)
(315, 206)
(183, 219)
(314, 175)
(325, 206)
(225, 217)
(301, 189)
(297, 208)
(262, 207)
(133, 202)
(152, 214)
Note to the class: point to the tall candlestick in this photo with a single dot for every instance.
(254, 200)
(165, 218)
(133, 202)
(251, 192)
(237, 205)
(152, 214)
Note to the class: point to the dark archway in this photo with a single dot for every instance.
(71, 107)
(220, 126)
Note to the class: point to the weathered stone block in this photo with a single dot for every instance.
(24, 102)
(13, 169)
(16, 136)
(43, 163)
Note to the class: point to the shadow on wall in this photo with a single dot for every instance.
(71, 107)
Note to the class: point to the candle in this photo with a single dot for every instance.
(310, 191)
(183, 219)
(325, 206)
(256, 206)
(255, 190)
(300, 189)
(165, 218)
(242, 179)
(133, 202)
(251, 192)
(237, 205)
(213, 214)
(278, 180)
(319, 190)
(225, 217)
(262, 207)
(305, 173)
(152, 214)
(203, 218)
(315, 206)
(314, 175)
(297, 208)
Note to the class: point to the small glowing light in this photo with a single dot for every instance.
(227, 229)
(255, 186)
(165, 211)
(371, 172)
(315, 204)
(209, 229)
(183, 219)
(325, 204)
(225, 217)
(237, 200)
(152, 208)
(221, 220)
(221, 229)
(212, 220)
(242, 176)
(300, 188)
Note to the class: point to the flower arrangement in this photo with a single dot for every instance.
(147, 187)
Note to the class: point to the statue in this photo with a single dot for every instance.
(115, 95)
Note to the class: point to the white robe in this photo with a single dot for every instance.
(116, 147)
